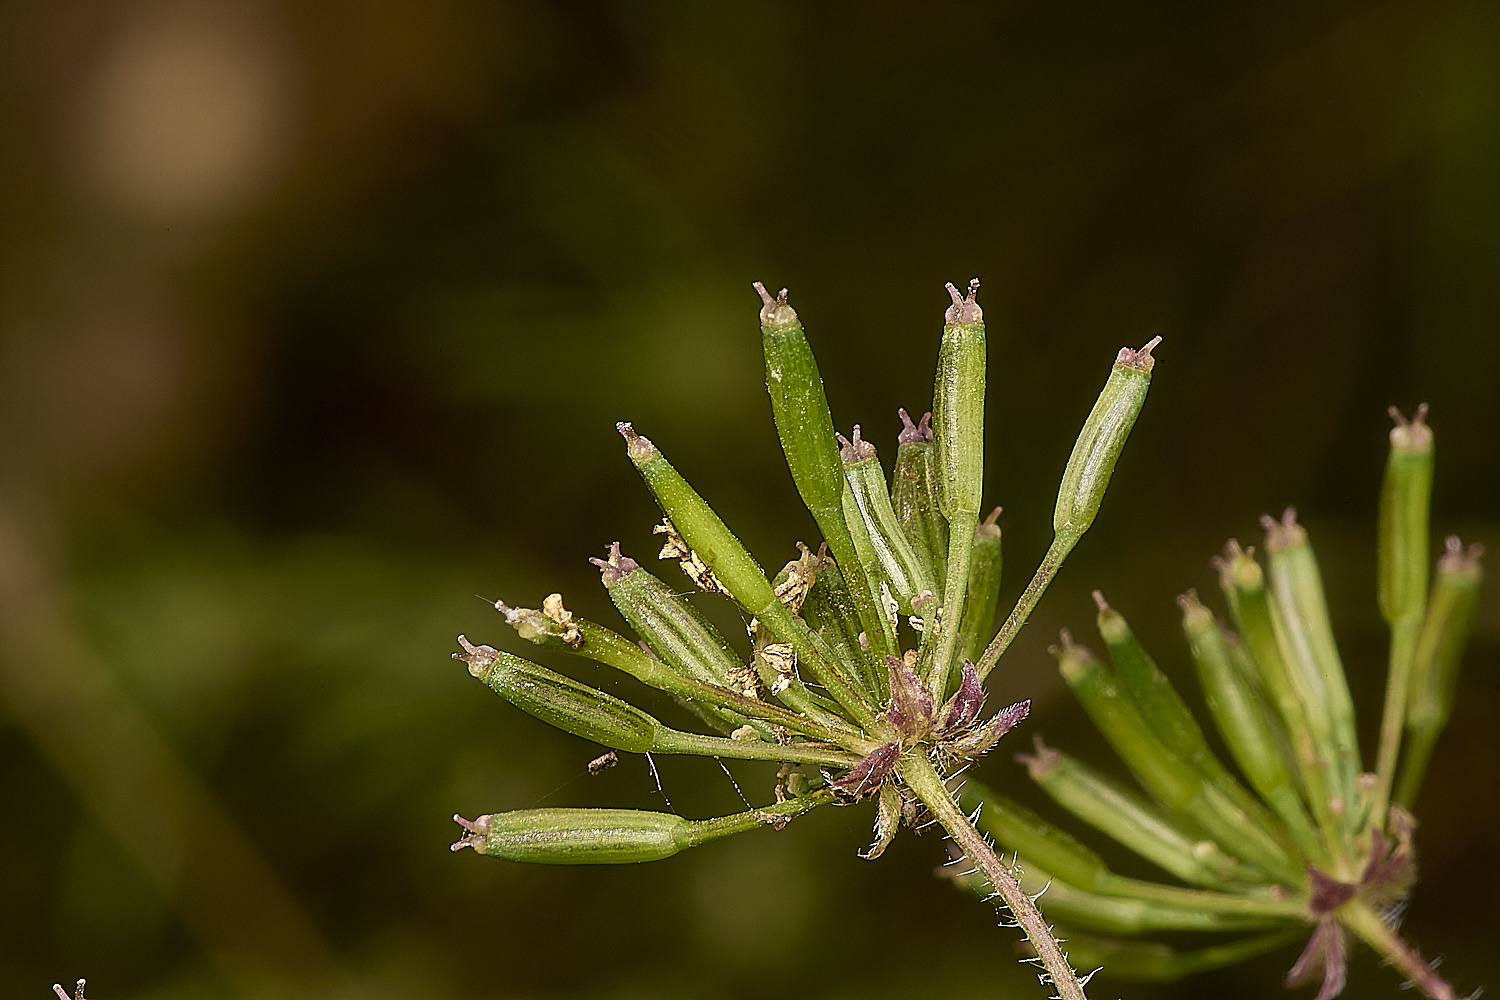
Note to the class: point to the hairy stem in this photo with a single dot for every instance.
(920, 776)
(1367, 925)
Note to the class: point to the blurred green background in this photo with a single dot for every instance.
(316, 321)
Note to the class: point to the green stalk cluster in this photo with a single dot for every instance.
(1307, 837)
(861, 676)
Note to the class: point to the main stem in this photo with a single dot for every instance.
(923, 779)
(1366, 923)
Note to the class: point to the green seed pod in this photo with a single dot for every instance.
(1306, 727)
(914, 495)
(561, 701)
(983, 596)
(1168, 716)
(603, 645)
(1018, 829)
(958, 432)
(958, 407)
(1037, 842)
(676, 634)
(576, 836)
(737, 571)
(1173, 781)
(1090, 467)
(1168, 777)
(594, 715)
(1244, 724)
(868, 511)
(702, 529)
(1102, 439)
(805, 426)
(673, 629)
(1305, 638)
(1143, 961)
(1121, 815)
(611, 836)
(829, 611)
(1405, 501)
(1160, 705)
(1118, 915)
(1455, 596)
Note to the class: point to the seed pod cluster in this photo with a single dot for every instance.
(859, 675)
(1311, 840)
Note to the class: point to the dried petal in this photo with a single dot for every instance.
(911, 704)
(868, 775)
(887, 822)
(1328, 893)
(963, 708)
(1326, 955)
(1390, 872)
(983, 739)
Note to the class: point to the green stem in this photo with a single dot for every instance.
(603, 645)
(1367, 925)
(924, 781)
(677, 741)
(1292, 908)
(703, 830)
(1062, 544)
(1404, 635)
(960, 549)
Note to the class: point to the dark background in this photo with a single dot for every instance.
(316, 321)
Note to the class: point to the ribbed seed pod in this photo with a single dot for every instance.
(673, 628)
(983, 595)
(1090, 467)
(805, 426)
(1405, 505)
(1112, 810)
(1173, 781)
(1120, 915)
(1102, 439)
(1038, 843)
(1168, 715)
(675, 631)
(1312, 742)
(872, 521)
(561, 701)
(602, 645)
(1244, 724)
(1019, 829)
(1450, 612)
(736, 570)
(611, 836)
(829, 611)
(914, 494)
(958, 438)
(1401, 575)
(576, 708)
(1305, 637)
(1151, 962)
